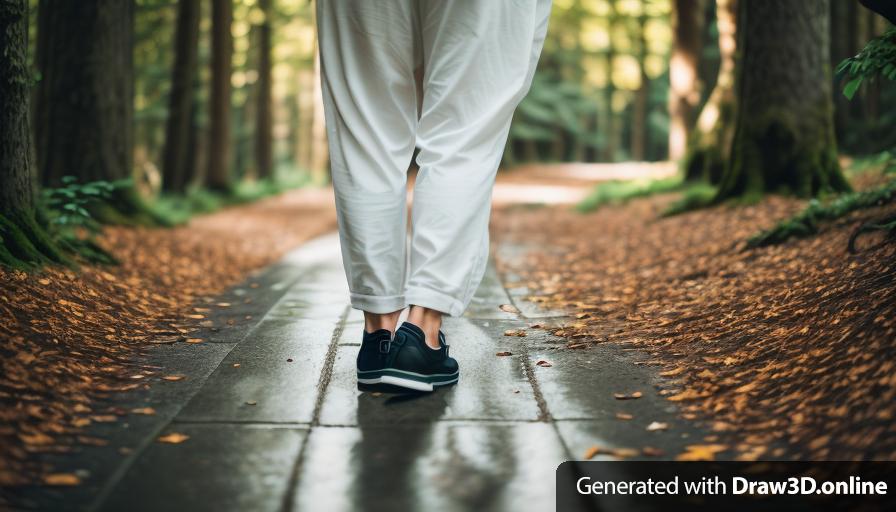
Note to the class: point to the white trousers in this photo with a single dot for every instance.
(477, 59)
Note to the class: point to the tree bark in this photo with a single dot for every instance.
(85, 100)
(22, 241)
(16, 189)
(263, 119)
(784, 130)
(217, 176)
(639, 114)
(178, 157)
(684, 84)
(710, 141)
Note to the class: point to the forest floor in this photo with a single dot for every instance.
(784, 351)
(71, 336)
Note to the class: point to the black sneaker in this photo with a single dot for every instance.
(412, 364)
(372, 356)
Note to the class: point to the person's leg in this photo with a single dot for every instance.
(478, 59)
(367, 52)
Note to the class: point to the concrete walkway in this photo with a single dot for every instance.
(275, 420)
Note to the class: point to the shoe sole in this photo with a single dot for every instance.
(417, 381)
(370, 376)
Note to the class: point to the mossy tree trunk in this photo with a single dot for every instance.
(217, 176)
(23, 242)
(784, 130)
(684, 82)
(263, 119)
(84, 108)
(178, 157)
(710, 141)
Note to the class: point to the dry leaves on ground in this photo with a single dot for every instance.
(789, 349)
(71, 337)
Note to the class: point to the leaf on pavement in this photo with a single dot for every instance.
(697, 452)
(62, 479)
(657, 425)
(632, 396)
(509, 308)
(173, 438)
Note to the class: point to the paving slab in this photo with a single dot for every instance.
(219, 468)
(490, 387)
(279, 369)
(441, 466)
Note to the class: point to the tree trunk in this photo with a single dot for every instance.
(84, 124)
(263, 120)
(841, 48)
(709, 144)
(639, 115)
(22, 241)
(784, 130)
(684, 84)
(84, 121)
(319, 154)
(177, 160)
(217, 176)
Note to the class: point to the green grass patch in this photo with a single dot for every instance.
(806, 222)
(620, 192)
(696, 195)
(177, 209)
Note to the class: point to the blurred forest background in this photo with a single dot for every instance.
(167, 108)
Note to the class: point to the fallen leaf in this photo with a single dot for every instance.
(236, 365)
(650, 451)
(623, 396)
(195, 340)
(509, 308)
(36, 439)
(251, 402)
(657, 425)
(515, 332)
(148, 411)
(174, 378)
(696, 452)
(544, 364)
(173, 438)
(62, 479)
(591, 452)
(623, 416)
(504, 354)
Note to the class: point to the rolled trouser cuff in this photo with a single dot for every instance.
(379, 304)
(436, 300)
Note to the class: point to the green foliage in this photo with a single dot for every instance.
(878, 58)
(620, 192)
(806, 222)
(696, 195)
(68, 214)
(177, 209)
(554, 108)
(67, 206)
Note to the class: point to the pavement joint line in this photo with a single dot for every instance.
(325, 374)
(118, 474)
(544, 413)
(304, 424)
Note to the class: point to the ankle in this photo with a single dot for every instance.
(377, 321)
(429, 321)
